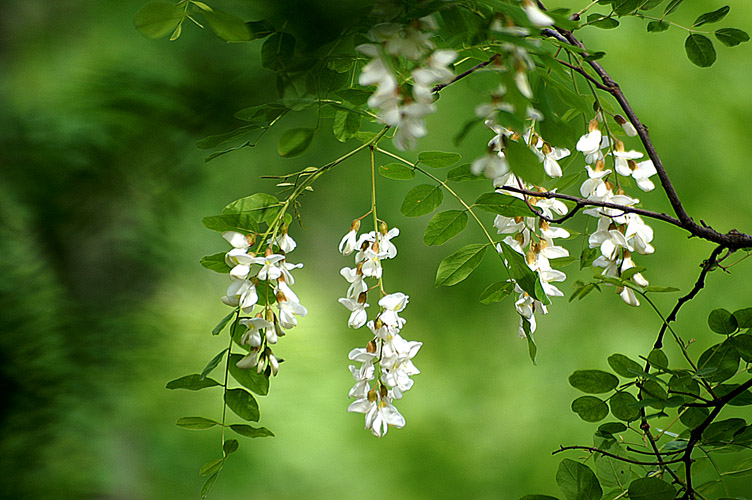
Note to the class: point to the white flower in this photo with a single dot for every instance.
(359, 316)
(629, 129)
(349, 242)
(269, 269)
(380, 413)
(393, 304)
(639, 234)
(409, 123)
(628, 295)
(285, 267)
(385, 245)
(628, 263)
(252, 337)
(591, 143)
(287, 310)
(362, 376)
(609, 239)
(355, 278)
(248, 361)
(241, 293)
(492, 165)
(372, 264)
(536, 16)
(285, 242)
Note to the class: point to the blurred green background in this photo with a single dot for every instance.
(102, 299)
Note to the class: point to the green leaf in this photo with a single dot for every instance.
(590, 408)
(243, 404)
(251, 432)
(496, 292)
(612, 472)
(650, 4)
(522, 274)
(195, 423)
(700, 50)
(397, 171)
(222, 323)
(532, 349)
(723, 431)
(501, 204)
(653, 393)
(651, 488)
(742, 399)
(731, 37)
(624, 366)
(593, 381)
(711, 17)
(242, 223)
(211, 365)
(444, 226)
(722, 321)
(623, 406)
(158, 19)
(346, 125)
(211, 466)
(277, 51)
(577, 481)
(458, 266)
(624, 7)
(661, 289)
(693, 416)
(538, 497)
(251, 379)
(743, 318)
(209, 484)
(438, 159)
(216, 262)
(741, 469)
(259, 207)
(294, 142)
(743, 345)
(421, 200)
(601, 21)
(462, 174)
(192, 382)
(230, 446)
(243, 132)
(657, 26)
(612, 427)
(685, 383)
(658, 359)
(718, 363)
(524, 162)
(673, 4)
(259, 29)
(229, 28)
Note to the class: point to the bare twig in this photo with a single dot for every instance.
(617, 457)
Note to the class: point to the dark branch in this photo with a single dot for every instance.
(583, 202)
(462, 75)
(617, 457)
(707, 266)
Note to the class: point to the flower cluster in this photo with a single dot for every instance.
(386, 361)
(618, 234)
(262, 287)
(396, 106)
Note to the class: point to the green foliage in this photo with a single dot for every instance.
(196, 423)
(593, 381)
(158, 19)
(421, 200)
(731, 37)
(250, 379)
(624, 366)
(700, 50)
(397, 171)
(458, 266)
(228, 27)
(651, 488)
(294, 142)
(438, 159)
(590, 408)
(243, 404)
(499, 204)
(192, 382)
(577, 481)
(213, 363)
(496, 292)
(445, 226)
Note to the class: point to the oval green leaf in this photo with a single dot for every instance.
(462, 173)
(229, 28)
(421, 200)
(722, 321)
(577, 481)
(743, 345)
(731, 37)
(496, 292)
(251, 432)
(444, 226)
(216, 262)
(438, 159)
(250, 379)
(192, 382)
(651, 488)
(590, 408)
(700, 50)
(712, 17)
(501, 204)
(624, 366)
(230, 446)
(346, 125)
(743, 318)
(294, 142)
(458, 266)
(277, 51)
(195, 423)
(624, 406)
(211, 466)
(593, 381)
(397, 171)
(243, 404)
(158, 19)
(212, 364)
(718, 363)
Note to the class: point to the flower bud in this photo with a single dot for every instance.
(383, 228)
(517, 220)
(593, 125)
(251, 239)
(268, 251)
(355, 226)
(632, 165)
(543, 225)
(629, 129)
(609, 185)
(362, 297)
(371, 347)
(546, 148)
(383, 392)
(373, 395)
(600, 166)
(619, 146)
(542, 245)
(281, 296)
(530, 258)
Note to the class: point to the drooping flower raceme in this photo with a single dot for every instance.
(386, 365)
(261, 281)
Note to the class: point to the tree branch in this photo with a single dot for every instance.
(617, 457)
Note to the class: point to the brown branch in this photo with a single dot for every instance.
(707, 266)
(462, 75)
(733, 239)
(584, 202)
(617, 457)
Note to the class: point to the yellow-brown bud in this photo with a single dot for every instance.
(620, 119)
(593, 125)
(362, 297)
(544, 225)
(268, 251)
(632, 165)
(546, 148)
(371, 347)
(530, 257)
(619, 146)
(383, 228)
(355, 225)
(600, 166)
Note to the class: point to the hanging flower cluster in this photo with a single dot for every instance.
(386, 361)
(272, 281)
(396, 106)
(618, 233)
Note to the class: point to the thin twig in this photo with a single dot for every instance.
(617, 457)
